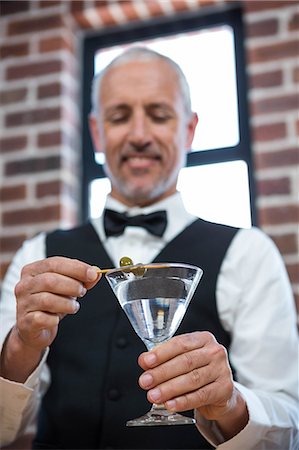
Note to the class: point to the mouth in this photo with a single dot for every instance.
(136, 161)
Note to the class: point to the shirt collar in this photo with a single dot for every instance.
(177, 216)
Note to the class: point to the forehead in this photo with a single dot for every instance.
(154, 80)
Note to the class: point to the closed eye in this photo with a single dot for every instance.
(160, 113)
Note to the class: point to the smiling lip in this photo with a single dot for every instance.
(140, 161)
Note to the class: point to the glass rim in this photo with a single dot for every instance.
(154, 265)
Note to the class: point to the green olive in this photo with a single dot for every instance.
(139, 270)
(125, 261)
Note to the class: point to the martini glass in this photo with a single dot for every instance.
(155, 298)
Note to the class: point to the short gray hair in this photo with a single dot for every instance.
(140, 54)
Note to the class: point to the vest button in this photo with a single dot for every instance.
(121, 342)
(114, 394)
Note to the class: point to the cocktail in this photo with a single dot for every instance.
(155, 298)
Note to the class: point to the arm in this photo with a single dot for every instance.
(257, 307)
(19, 402)
(45, 293)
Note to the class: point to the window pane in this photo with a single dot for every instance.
(215, 192)
(98, 190)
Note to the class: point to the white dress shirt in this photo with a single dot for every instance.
(255, 305)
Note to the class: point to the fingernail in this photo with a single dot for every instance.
(155, 395)
(83, 291)
(92, 274)
(150, 359)
(171, 405)
(146, 380)
(76, 306)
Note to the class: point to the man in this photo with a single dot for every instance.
(234, 362)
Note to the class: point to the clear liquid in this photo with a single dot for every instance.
(155, 320)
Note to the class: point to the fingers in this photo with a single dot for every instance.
(57, 275)
(54, 304)
(72, 268)
(177, 346)
(50, 282)
(54, 309)
(46, 292)
(189, 371)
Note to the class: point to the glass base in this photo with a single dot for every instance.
(159, 415)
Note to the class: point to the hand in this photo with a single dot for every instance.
(46, 292)
(192, 371)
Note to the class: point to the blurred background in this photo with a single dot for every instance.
(242, 62)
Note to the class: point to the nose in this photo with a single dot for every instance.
(139, 132)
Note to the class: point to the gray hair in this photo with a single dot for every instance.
(139, 54)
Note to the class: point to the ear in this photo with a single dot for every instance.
(95, 133)
(191, 127)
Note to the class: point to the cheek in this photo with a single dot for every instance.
(114, 137)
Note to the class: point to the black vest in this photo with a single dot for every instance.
(93, 360)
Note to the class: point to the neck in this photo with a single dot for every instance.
(142, 203)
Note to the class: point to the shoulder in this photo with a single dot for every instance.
(252, 251)
(253, 240)
(32, 249)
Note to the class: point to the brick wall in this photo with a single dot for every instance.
(39, 121)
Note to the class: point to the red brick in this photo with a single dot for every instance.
(10, 193)
(202, 3)
(36, 24)
(288, 157)
(49, 3)
(33, 69)
(180, 5)
(266, 79)
(48, 188)
(155, 9)
(296, 75)
(294, 22)
(32, 116)
(296, 297)
(276, 215)
(269, 132)
(81, 20)
(54, 44)
(32, 215)
(3, 270)
(293, 271)
(262, 28)
(79, 5)
(13, 143)
(50, 90)
(50, 139)
(32, 165)
(275, 104)
(10, 244)
(272, 52)
(13, 7)
(274, 186)
(9, 51)
(103, 3)
(286, 243)
(106, 16)
(130, 11)
(262, 5)
(13, 96)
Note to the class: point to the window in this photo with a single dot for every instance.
(217, 183)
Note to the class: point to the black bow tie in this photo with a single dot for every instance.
(115, 223)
